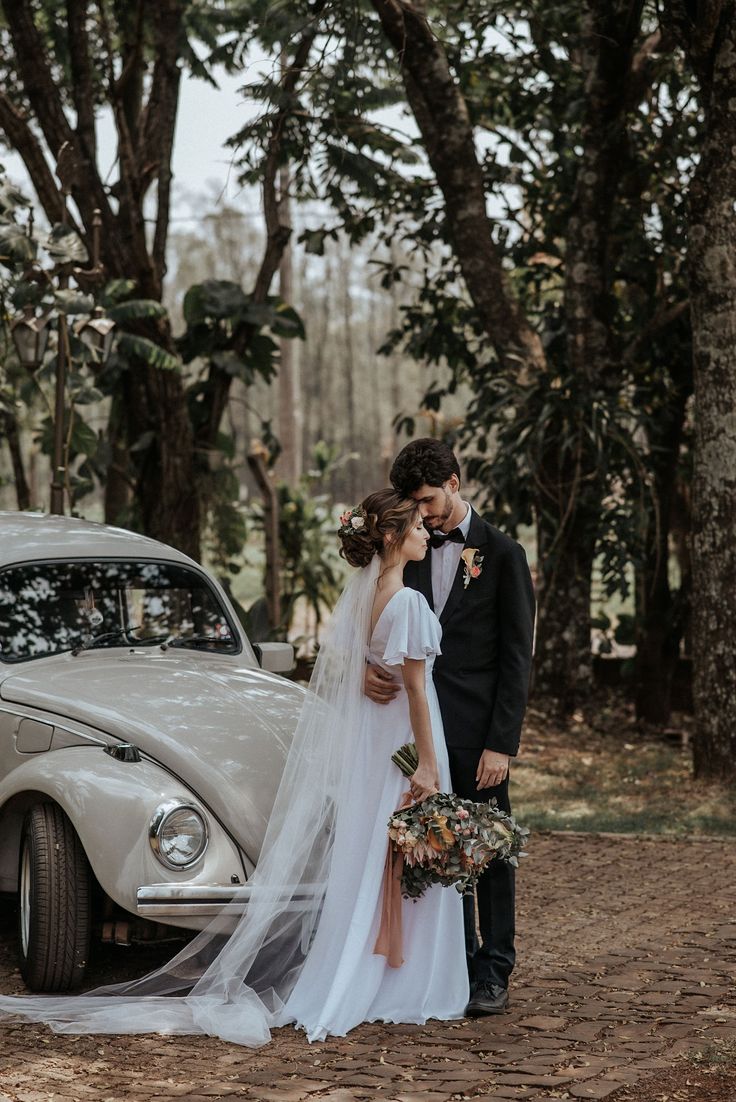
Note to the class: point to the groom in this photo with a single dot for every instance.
(478, 583)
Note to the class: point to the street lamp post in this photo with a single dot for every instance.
(58, 475)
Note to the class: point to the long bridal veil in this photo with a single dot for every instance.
(234, 985)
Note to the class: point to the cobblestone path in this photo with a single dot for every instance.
(627, 961)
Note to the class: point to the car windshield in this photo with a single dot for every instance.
(46, 608)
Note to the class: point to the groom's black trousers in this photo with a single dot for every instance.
(492, 959)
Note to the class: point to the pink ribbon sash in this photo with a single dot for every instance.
(389, 940)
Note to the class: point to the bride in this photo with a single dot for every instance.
(307, 949)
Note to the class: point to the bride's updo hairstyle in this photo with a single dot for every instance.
(363, 529)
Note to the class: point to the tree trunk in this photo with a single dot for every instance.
(349, 372)
(167, 492)
(659, 612)
(708, 35)
(117, 482)
(22, 489)
(563, 660)
(290, 403)
(712, 250)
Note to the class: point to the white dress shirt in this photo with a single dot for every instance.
(445, 561)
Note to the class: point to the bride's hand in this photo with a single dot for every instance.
(423, 783)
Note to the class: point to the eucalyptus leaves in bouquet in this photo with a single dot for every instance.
(447, 840)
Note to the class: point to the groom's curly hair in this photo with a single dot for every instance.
(423, 462)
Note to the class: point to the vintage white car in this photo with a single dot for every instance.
(141, 741)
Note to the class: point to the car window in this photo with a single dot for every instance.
(46, 608)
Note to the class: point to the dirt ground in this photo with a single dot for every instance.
(624, 990)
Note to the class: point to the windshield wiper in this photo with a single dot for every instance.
(92, 641)
(199, 641)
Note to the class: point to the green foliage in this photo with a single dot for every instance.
(135, 309)
(310, 565)
(30, 398)
(226, 529)
(131, 346)
(64, 245)
(231, 333)
(573, 452)
(73, 302)
(15, 246)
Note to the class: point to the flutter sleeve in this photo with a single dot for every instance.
(414, 630)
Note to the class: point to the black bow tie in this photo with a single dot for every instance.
(437, 539)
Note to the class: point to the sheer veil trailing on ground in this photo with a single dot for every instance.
(234, 986)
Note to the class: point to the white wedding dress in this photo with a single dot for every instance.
(343, 982)
(302, 952)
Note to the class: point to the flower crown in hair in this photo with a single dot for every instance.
(352, 520)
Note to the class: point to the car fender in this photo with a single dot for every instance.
(110, 804)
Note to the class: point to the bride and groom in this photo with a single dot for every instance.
(430, 642)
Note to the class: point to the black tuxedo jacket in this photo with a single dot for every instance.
(482, 675)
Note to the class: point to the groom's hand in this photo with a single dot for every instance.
(379, 686)
(492, 769)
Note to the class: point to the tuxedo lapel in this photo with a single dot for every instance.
(454, 596)
(476, 538)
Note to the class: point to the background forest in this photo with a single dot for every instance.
(507, 224)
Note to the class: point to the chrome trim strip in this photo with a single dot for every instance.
(207, 899)
(46, 716)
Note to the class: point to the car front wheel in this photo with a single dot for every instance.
(54, 910)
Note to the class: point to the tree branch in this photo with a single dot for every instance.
(609, 34)
(160, 122)
(35, 73)
(24, 141)
(22, 489)
(131, 230)
(442, 116)
(81, 70)
(277, 237)
(659, 321)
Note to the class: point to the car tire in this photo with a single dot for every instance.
(55, 901)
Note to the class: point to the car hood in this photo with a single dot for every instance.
(222, 727)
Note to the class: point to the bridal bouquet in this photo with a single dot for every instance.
(449, 841)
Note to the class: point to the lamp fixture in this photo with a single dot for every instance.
(30, 333)
(97, 333)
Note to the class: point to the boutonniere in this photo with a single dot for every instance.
(472, 563)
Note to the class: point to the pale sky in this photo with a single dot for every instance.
(206, 119)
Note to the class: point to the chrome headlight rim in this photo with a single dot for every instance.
(158, 820)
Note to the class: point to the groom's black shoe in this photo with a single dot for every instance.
(487, 998)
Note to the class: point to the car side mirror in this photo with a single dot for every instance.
(275, 657)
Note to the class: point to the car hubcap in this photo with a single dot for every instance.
(25, 899)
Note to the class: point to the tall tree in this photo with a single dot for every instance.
(474, 311)
(551, 143)
(707, 32)
(63, 63)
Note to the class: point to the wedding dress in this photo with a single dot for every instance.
(302, 953)
(343, 982)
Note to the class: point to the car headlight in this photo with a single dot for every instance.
(178, 834)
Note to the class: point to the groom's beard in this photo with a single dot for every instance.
(437, 523)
